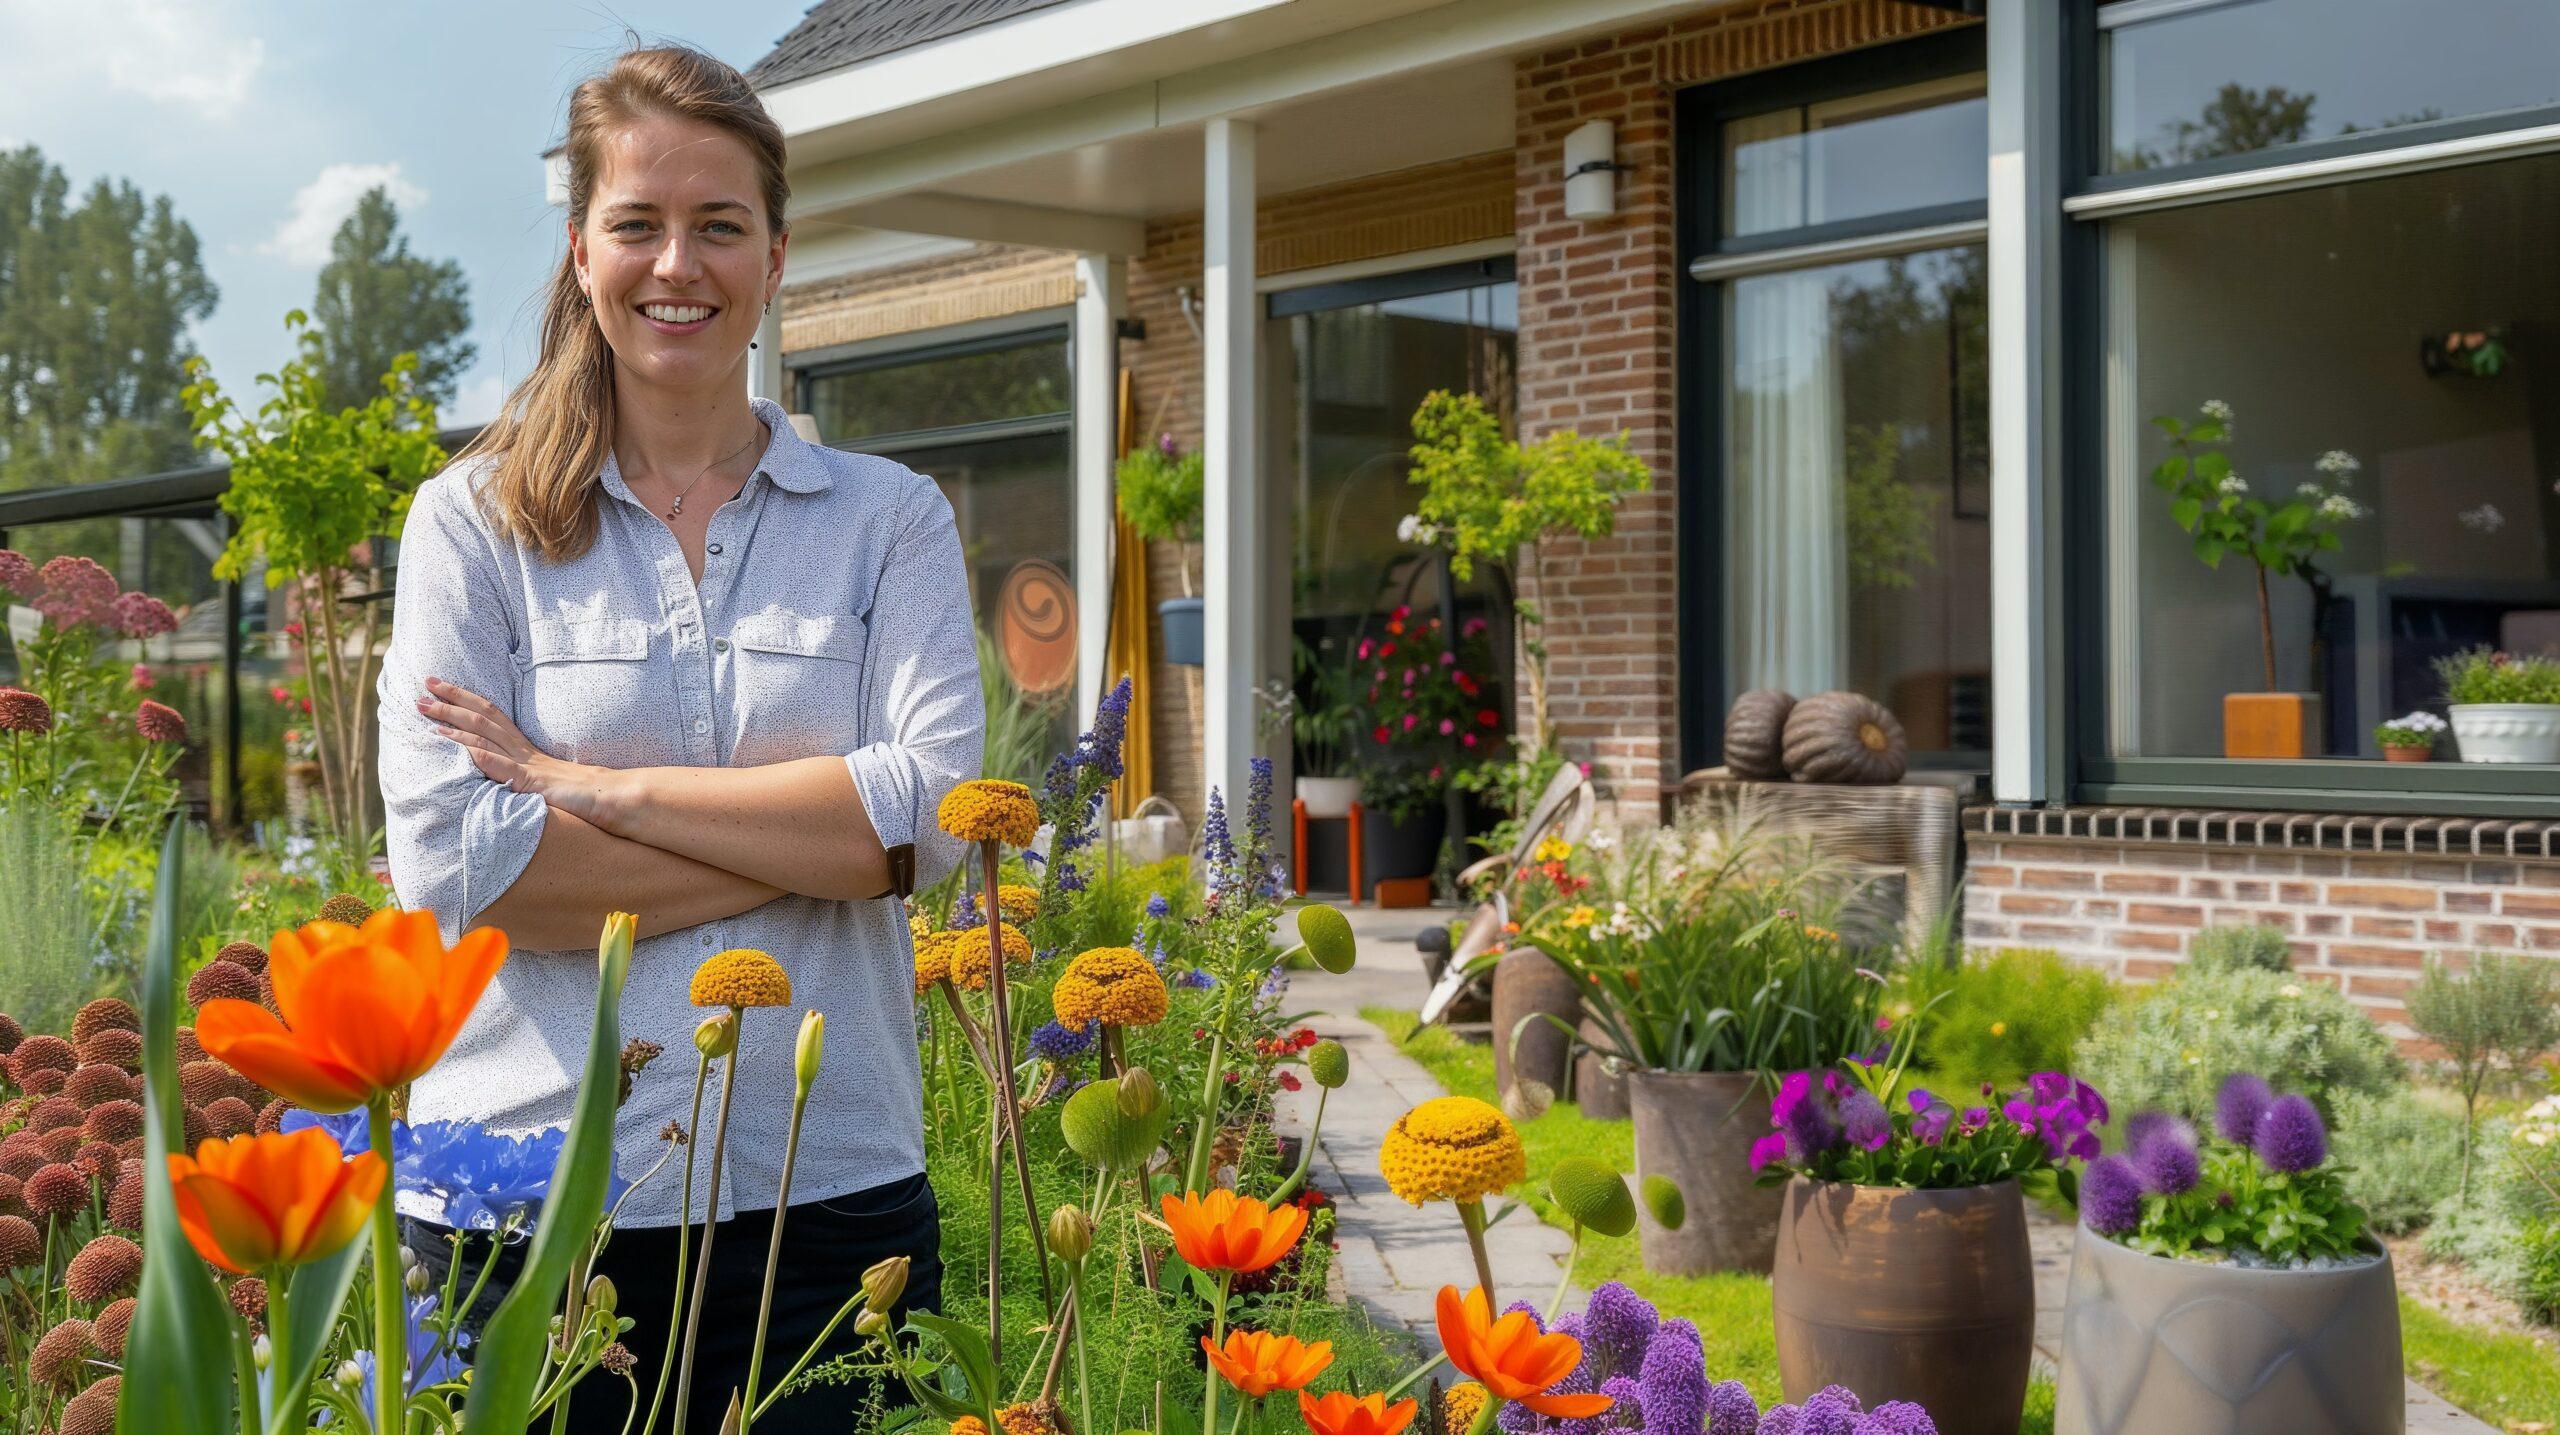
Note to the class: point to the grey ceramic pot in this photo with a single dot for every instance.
(2151, 1344)
(1599, 1091)
(1696, 1127)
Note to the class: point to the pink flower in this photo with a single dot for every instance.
(23, 711)
(1447, 727)
(280, 693)
(1408, 677)
(1466, 739)
(158, 722)
(143, 677)
(1435, 770)
(1447, 658)
(77, 592)
(1473, 627)
(1363, 651)
(17, 573)
(1409, 720)
(139, 615)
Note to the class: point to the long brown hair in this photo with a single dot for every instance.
(550, 438)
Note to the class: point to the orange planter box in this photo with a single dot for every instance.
(2268, 725)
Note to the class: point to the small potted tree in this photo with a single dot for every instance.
(2225, 1282)
(1161, 494)
(2217, 506)
(1902, 1269)
(2411, 738)
(2505, 708)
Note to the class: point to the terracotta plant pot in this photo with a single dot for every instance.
(2155, 1344)
(1600, 1092)
(1928, 1296)
(2271, 725)
(2408, 754)
(1528, 988)
(1696, 1127)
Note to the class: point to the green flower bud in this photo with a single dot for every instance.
(1099, 1127)
(601, 1294)
(716, 1037)
(1070, 1234)
(261, 1351)
(414, 1279)
(813, 1041)
(1662, 1198)
(1329, 1064)
(1328, 939)
(870, 1323)
(884, 1283)
(1593, 1195)
(348, 1374)
(1139, 1095)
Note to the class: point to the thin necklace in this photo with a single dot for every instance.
(677, 511)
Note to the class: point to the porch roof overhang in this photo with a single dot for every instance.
(1069, 126)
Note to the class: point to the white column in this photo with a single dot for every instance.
(2030, 731)
(1097, 380)
(765, 377)
(1232, 541)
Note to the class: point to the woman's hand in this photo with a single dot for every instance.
(503, 755)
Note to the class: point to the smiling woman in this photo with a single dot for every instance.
(641, 661)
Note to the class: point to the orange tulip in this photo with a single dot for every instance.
(366, 1010)
(1511, 1357)
(251, 1203)
(1223, 1231)
(1258, 1362)
(1342, 1413)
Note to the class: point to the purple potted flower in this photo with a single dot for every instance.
(1902, 1269)
(2223, 1280)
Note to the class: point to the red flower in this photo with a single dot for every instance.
(158, 722)
(1487, 717)
(1289, 1081)
(1379, 732)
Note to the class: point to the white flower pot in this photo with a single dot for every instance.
(1328, 796)
(2507, 732)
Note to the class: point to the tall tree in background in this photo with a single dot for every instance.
(378, 301)
(95, 300)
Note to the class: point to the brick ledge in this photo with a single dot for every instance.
(2299, 831)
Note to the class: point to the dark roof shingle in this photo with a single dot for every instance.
(836, 33)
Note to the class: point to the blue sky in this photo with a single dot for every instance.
(263, 120)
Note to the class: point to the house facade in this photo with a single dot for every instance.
(1889, 297)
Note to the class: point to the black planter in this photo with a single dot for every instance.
(1410, 848)
(1186, 637)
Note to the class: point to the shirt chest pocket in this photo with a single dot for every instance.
(799, 684)
(583, 686)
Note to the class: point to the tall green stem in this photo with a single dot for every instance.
(1218, 1340)
(1471, 1216)
(1306, 1152)
(773, 1260)
(1003, 1023)
(684, 1229)
(711, 1216)
(390, 1329)
(1195, 1171)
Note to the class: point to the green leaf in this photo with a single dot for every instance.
(2210, 550)
(177, 1366)
(510, 1357)
(319, 1292)
(969, 1348)
(2187, 511)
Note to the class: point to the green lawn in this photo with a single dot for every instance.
(2512, 1381)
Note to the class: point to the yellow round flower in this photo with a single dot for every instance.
(919, 926)
(933, 960)
(1023, 1419)
(1999, 1028)
(1459, 1405)
(741, 977)
(969, 954)
(988, 810)
(1110, 984)
(1451, 1148)
(968, 1425)
(1552, 849)
(1581, 917)
(1016, 902)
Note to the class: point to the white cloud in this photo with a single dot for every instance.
(189, 55)
(476, 402)
(322, 205)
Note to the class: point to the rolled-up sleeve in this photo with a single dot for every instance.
(457, 841)
(924, 714)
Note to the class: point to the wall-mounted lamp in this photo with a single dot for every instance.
(1591, 171)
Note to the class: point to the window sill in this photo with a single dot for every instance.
(2536, 838)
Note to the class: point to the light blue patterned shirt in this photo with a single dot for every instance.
(832, 618)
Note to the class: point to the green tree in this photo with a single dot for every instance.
(377, 301)
(2237, 120)
(95, 299)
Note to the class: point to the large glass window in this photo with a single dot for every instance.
(2401, 322)
(2187, 83)
(1856, 156)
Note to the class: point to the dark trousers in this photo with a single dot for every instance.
(826, 1246)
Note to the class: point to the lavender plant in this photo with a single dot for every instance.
(2257, 1190)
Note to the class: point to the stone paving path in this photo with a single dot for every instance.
(1394, 1258)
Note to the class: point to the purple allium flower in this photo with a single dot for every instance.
(1731, 1410)
(2140, 1127)
(1626, 1409)
(1673, 1382)
(2290, 1136)
(1061, 1044)
(1863, 1118)
(1832, 1410)
(1798, 1113)
(2111, 1196)
(1782, 1420)
(1898, 1417)
(1618, 1326)
(2166, 1164)
(2236, 1109)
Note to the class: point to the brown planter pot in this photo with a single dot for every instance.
(2271, 725)
(1600, 1092)
(1928, 1296)
(2408, 754)
(2150, 1343)
(1696, 1127)
(1528, 988)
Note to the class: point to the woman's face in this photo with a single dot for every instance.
(676, 254)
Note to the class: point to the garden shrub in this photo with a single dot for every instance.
(2241, 946)
(2506, 1229)
(2401, 1155)
(2172, 1048)
(2002, 1017)
(2502, 1013)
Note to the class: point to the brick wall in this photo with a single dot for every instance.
(2365, 923)
(984, 282)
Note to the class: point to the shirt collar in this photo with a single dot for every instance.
(792, 462)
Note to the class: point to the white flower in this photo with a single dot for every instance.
(1408, 527)
(2217, 410)
(2419, 721)
(2338, 463)
(2288, 990)
(2235, 485)
(2484, 519)
(2340, 507)
(2310, 490)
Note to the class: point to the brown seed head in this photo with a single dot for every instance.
(107, 1267)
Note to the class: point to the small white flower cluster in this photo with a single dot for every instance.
(2540, 1124)
(1411, 529)
(2340, 507)
(2234, 485)
(1621, 922)
(2218, 411)
(2484, 519)
(2420, 721)
(2338, 464)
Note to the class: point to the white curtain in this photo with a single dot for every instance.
(1788, 542)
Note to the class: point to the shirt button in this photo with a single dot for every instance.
(702, 724)
(714, 550)
(719, 645)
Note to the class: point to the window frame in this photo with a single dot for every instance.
(1708, 262)
(800, 376)
(2325, 784)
